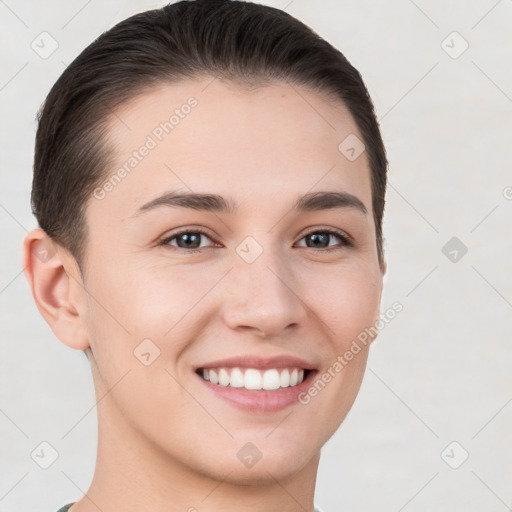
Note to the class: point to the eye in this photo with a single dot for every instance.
(190, 240)
(321, 239)
(186, 239)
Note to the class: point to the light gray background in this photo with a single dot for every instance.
(440, 372)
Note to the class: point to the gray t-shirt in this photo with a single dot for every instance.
(65, 508)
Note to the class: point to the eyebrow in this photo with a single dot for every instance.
(313, 201)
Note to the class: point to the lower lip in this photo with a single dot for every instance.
(260, 401)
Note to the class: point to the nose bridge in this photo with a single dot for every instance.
(263, 292)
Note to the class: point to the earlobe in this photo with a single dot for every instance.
(48, 275)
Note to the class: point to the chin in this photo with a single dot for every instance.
(263, 473)
(259, 464)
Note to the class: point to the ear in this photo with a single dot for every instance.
(57, 288)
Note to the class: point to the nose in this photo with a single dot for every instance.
(263, 297)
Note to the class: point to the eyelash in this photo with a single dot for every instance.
(346, 242)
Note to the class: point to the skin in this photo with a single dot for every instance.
(165, 443)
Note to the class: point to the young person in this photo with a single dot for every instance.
(209, 184)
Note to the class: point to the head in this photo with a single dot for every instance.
(209, 182)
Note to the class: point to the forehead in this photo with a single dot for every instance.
(208, 135)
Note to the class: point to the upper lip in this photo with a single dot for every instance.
(250, 361)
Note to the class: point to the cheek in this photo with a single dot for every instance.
(348, 302)
(138, 300)
(129, 304)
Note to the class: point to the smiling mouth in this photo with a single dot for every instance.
(271, 379)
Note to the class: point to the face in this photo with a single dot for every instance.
(193, 299)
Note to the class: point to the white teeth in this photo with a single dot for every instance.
(223, 377)
(254, 379)
(271, 380)
(237, 378)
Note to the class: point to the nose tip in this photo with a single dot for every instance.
(263, 301)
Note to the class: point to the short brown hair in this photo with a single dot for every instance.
(235, 40)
